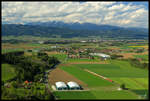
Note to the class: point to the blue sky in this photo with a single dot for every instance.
(125, 14)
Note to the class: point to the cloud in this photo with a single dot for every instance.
(112, 13)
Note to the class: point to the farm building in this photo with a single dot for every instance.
(103, 56)
(61, 85)
(73, 85)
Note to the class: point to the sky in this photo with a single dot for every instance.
(124, 14)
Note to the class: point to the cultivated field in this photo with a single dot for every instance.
(135, 79)
(120, 71)
(65, 77)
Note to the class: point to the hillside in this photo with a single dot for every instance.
(67, 32)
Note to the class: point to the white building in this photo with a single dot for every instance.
(53, 46)
(73, 85)
(82, 41)
(105, 56)
(41, 42)
(61, 85)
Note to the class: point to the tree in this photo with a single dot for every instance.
(122, 86)
(14, 84)
(114, 56)
(2, 83)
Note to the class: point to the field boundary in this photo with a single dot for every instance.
(105, 78)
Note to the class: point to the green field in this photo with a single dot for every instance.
(144, 57)
(120, 72)
(61, 57)
(94, 95)
(82, 60)
(114, 95)
(86, 77)
(74, 95)
(11, 50)
(115, 69)
(133, 83)
(8, 72)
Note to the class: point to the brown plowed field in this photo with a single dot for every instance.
(13, 46)
(60, 75)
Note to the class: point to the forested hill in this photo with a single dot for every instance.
(49, 31)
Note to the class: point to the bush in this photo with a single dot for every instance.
(114, 56)
(122, 86)
(14, 84)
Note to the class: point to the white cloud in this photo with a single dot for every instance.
(112, 13)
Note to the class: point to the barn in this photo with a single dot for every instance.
(73, 85)
(61, 86)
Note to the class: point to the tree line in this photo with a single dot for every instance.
(28, 69)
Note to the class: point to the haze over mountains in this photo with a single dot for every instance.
(69, 30)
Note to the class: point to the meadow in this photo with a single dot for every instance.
(114, 95)
(8, 72)
(144, 57)
(116, 69)
(86, 77)
(121, 72)
(61, 95)
(11, 50)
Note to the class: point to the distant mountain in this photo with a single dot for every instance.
(76, 25)
(69, 30)
(84, 26)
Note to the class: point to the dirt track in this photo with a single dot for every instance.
(60, 75)
(105, 78)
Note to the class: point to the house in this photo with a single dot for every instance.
(61, 85)
(73, 85)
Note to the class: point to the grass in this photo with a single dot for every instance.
(8, 72)
(144, 57)
(89, 79)
(114, 95)
(60, 57)
(141, 92)
(115, 69)
(83, 60)
(11, 50)
(74, 95)
(98, 66)
(133, 83)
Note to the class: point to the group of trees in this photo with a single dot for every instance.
(136, 63)
(47, 59)
(36, 92)
(12, 57)
(115, 56)
(26, 68)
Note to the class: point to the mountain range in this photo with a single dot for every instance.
(69, 30)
